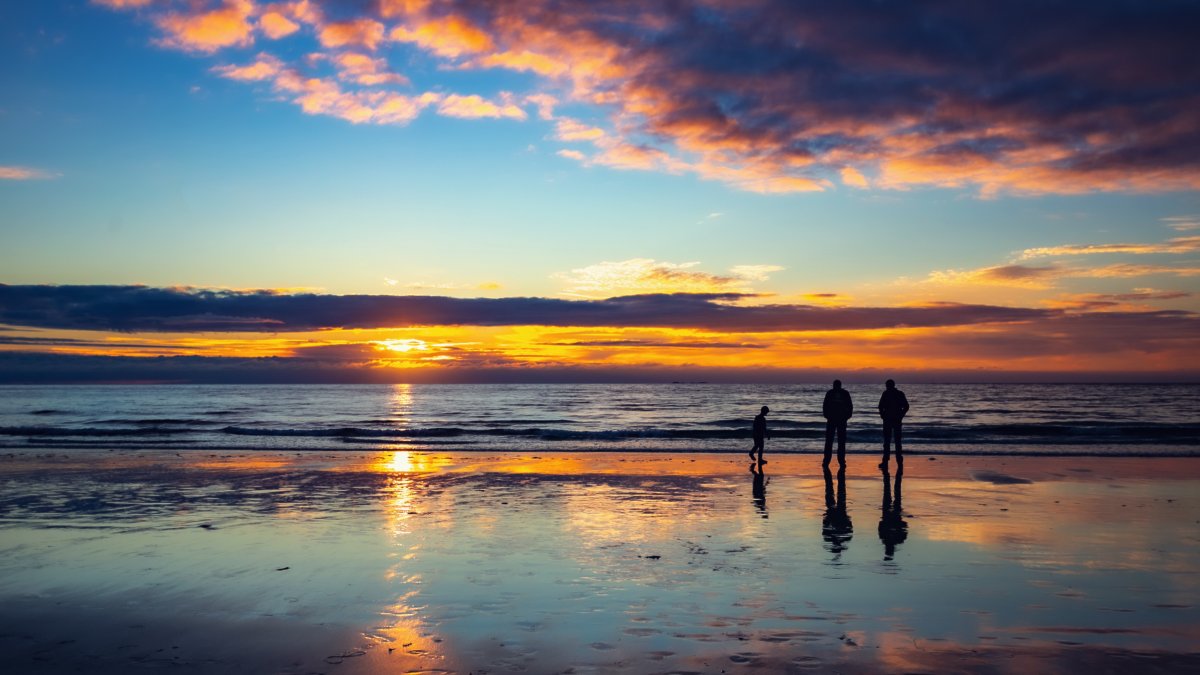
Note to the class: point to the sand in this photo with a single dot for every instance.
(373, 562)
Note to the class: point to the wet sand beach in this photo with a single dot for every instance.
(374, 562)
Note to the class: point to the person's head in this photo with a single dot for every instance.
(837, 384)
(890, 384)
(764, 410)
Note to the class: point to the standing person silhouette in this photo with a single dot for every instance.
(837, 409)
(760, 434)
(893, 406)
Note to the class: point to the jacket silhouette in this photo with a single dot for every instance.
(893, 406)
(837, 408)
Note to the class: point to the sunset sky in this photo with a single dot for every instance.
(424, 190)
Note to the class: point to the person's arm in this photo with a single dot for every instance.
(849, 406)
(881, 401)
(825, 405)
(903, 404)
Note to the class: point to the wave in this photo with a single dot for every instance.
(93, 431)
(1012, 433)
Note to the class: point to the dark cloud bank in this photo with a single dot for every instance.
(1025, 333)
(145, 309)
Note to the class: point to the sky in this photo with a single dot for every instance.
(458, 191)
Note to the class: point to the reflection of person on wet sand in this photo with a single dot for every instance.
(760, 434)
(759, 489)
(892, 528)
(836, 527)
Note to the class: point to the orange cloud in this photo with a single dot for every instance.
(365, 33)
(874, 114)
(366, 70)
(275, 25)
(568, 129)
(474, 107)
(1176, 245)
(24, 173)
(322, 96)
(645, 275)
(123, 4)
(449, 37)
(265, 67)
(227, 26)
(854, 178)
(1001, 275)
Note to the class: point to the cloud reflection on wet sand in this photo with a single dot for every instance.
(615, 563)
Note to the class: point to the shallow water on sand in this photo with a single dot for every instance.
(396, 562)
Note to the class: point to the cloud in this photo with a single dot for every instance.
(782, 96)
(264, 67)
(146, 309)
(208, 31)
(276, 25)
(1120, 270)
(1176, 245)
(569, 130)
(366, 70)
(24, 173)
(123, 4)
(854, 178)
(475, 107)
(1183, 223)
(755, 272)
(450, 36)
(363, 33)
(1045, 276)
(668, 344)
(1113, 301)
(645, 275)
(1001, 275)
(325, 96)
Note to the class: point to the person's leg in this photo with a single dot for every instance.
(841, 437)
(757, 448)
(897, 430)
(829, 428)
(888, 429)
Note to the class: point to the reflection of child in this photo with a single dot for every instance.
(760, 434)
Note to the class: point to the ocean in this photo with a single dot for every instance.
(951, 419)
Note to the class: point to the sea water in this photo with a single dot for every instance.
(1001, 419)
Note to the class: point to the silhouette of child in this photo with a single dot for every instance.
(760, 434)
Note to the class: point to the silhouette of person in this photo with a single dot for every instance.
(836, 527)
(759, 489)
(837, 409)
(893, 406)
(760, 434)
(892, 528)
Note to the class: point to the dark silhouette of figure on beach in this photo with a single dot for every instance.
(760, 434)
(759, 489)
(837, 409)
(836, 527)
(893, 406)
(892, 528)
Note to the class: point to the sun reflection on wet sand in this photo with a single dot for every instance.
(418, 561)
